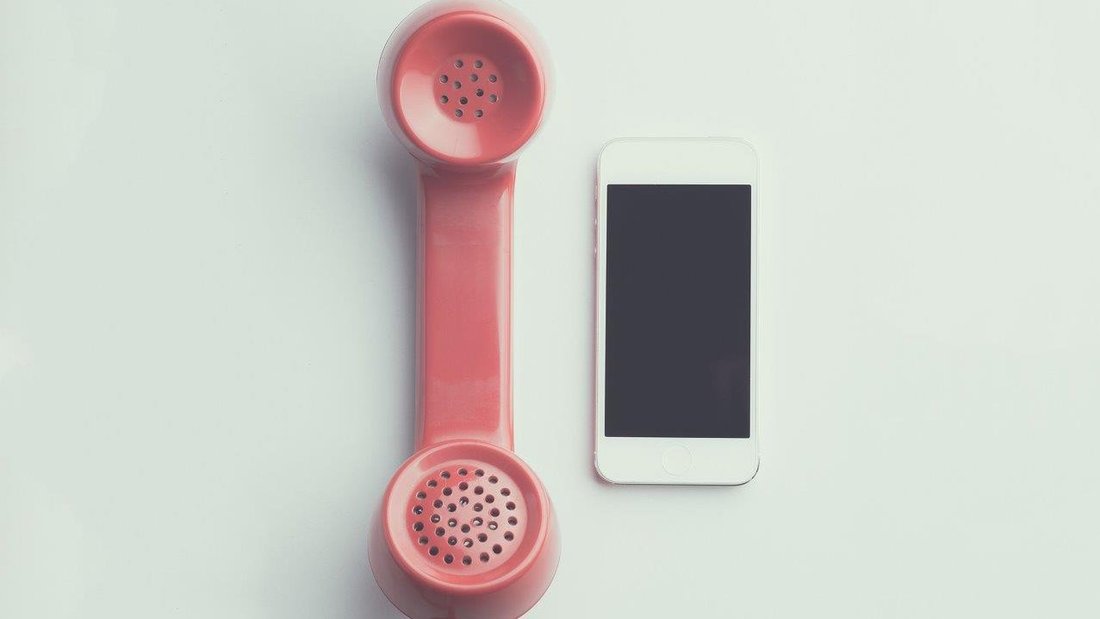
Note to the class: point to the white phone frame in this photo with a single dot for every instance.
(658, 460)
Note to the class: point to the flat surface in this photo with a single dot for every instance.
(206, 302)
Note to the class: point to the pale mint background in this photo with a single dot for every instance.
(206, 302)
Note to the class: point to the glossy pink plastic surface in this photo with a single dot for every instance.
(465, 529)
(465, 377)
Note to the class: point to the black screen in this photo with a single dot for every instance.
(678, 311)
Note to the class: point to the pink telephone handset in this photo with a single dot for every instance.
(465, 529)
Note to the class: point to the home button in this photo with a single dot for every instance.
(677, 460)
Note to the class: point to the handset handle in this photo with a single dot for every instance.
(465, 306)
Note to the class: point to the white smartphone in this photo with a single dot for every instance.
(676, 312)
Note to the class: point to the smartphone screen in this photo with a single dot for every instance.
(678, 311)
